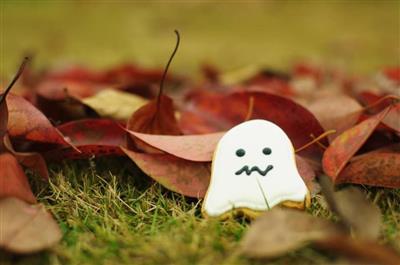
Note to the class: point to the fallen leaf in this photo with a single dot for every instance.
(392, 118)
(92, 137)
(374, 169)
(66, 109)
(94, 131)
(199, 148)
(348, 143)
(156, 117)
(185, 177)
(353, 209)
(26, 228)
(4, 111)
(29, 124)
(356, 209)
(337, 113)
(213, 113)
(30, 160)
(13, 181)
(308, 175)
(366, 251)
(115, 104)
(3, 117)
(279, 231)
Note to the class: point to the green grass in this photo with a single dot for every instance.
(111, 213)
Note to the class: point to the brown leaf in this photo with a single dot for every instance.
(307, 173)
(366, 251)
(199, 148)
(353, 209)
(26, 228)
(13, 181)
(3, 118)
(363, 216)
(337, 112)
(348, 143)
(30, 160)
(279, 231)
(28, 123)
(92, 137)
(155, 118)
(374, 168)
(392, 119)
(182, 176)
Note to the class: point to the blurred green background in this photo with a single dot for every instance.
(358, 36)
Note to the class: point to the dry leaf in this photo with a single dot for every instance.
(26, 228)
(348, 143)
(13, 181)
(279, 231)
(363, 216)
(185, 177)
(115, 104)
(354, 210)
(380, 169)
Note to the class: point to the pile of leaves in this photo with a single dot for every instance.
(345, 129)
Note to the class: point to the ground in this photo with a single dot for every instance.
(110, 212)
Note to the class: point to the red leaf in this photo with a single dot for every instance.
(375, 169)
(182, 176)
(28, 123)
(94, 132)
(13, 181)
(392, 118)
(336, 113)
(215, 113)
(199, 148)
(91, 137)
(348, 143)
(155, 119)
(3, 118)
(30, 160)
(306, 172)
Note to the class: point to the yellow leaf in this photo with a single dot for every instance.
(115, 104)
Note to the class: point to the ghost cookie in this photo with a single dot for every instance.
(253, 170)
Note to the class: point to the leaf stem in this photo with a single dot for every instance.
(17, 75)
(160, 92)
(315, 140)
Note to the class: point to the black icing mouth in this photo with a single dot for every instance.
(255, 168)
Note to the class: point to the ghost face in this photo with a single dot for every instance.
(253, 168)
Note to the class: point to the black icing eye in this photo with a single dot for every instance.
(267, 151)
(240, 152)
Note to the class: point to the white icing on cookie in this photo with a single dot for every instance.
(253, 167)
